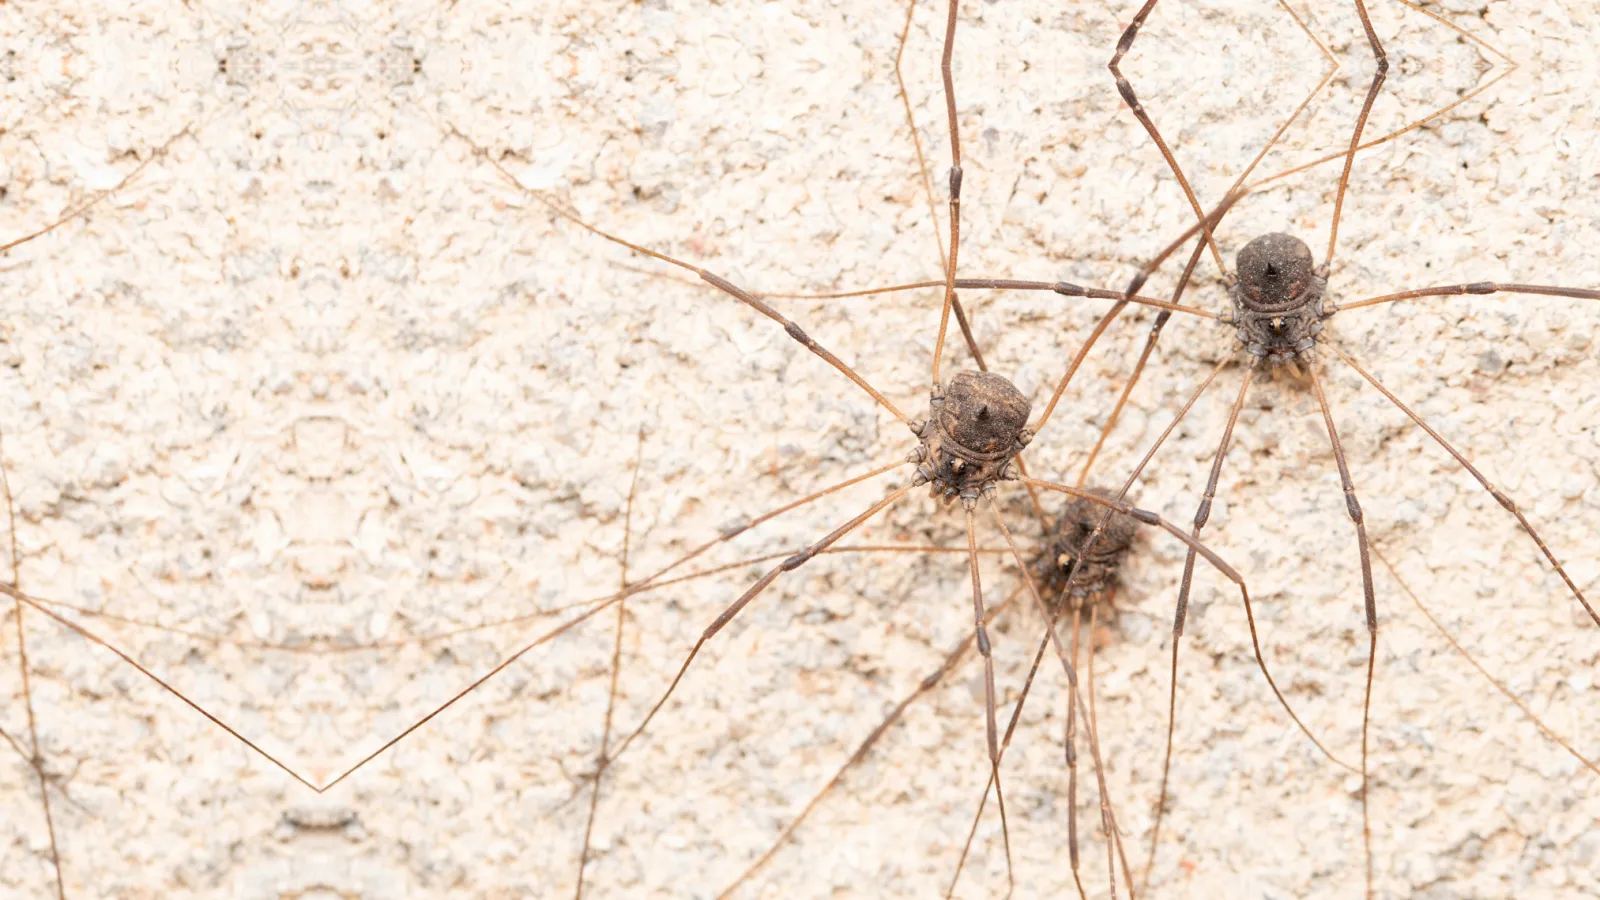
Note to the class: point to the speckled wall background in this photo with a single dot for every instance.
(320, 416)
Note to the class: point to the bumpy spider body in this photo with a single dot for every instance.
(974, 428)
(1097, 569)
(1277, 298)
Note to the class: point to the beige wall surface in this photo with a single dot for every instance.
(324, 412)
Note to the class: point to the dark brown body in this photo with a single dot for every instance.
(1096, 571)
(1277, 297)
(974, 428)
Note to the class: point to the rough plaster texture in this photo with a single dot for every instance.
(320, 376)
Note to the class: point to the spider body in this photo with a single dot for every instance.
(974, 428)
(1277, 298)
(1096, 569)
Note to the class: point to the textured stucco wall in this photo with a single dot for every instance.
(320, 376)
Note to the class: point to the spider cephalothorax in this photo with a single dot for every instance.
(1097, 569)
(974, 427)
(1277, 297)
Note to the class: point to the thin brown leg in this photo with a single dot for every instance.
(1065, 289)
(1181, 613)
(916, 139)
(1510, 66)
(1500, 496)
(1071, 744)
(991, 732)
(727, 615)
(35, 760)
(1433, 620)
(1353, 507)
(1094, 729)
(1107, 817)
(1122, 399)
(90, 636)
(1124, 44)
(1094, 722)
(928, 683)
(1479, 287)
(1361, 124)
(967, 335)
(616, 664)
(100, 196)
(1005, 743)
(1138, 368)
(1166, 767)
(790, 328)
(1204, 512)
(955, 186)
